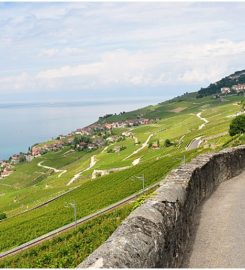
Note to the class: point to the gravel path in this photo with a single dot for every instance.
(76, 176)
(141, 148)
(51, 168)
(220, 233)
(203, 119)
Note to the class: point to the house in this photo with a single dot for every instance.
(15, 159)
(108, 126)
(5, 164)
(92, 146)
(6, 172)
(29, 157)
(239, 88)
(5, 169)
(112, 139)
(82, 145)
(155, 146)
(121, 124)
(146, 121)
(99, 142)
(70, 140)
(225, 90)
(35, 151)
(61, 137)
(117, 149)
(81, 131)
(127, 133)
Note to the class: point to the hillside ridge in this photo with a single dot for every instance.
(235, 78)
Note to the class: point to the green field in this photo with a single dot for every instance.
(70, 248)
(30, 185)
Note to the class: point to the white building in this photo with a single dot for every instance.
(239, 88)
(225, 90)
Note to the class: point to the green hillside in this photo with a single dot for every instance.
(214, 88)
(144, 151)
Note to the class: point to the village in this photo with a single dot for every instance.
(86, 139)
(238, 89)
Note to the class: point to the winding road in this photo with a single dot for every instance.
(76, 176)
(220, 230)
(195, 143)
(51, 168)
(141, 148)
(97, 173)
(203, 119)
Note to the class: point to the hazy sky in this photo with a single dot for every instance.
(76, 51)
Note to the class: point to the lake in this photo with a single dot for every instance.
(23, 125)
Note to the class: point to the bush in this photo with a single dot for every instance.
(167, 143)
(237, 125)
(123, 148)
(3, 216)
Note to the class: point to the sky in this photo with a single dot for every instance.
(88, 50)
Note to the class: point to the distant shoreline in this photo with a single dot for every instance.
(71, 105)
(149, 100)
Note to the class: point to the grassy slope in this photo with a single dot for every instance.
(93, 195)
(70, 248)
(31, 185)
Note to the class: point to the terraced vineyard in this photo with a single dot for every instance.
(23, 193)
(69, 249)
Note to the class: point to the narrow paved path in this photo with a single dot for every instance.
(51, 168)
(141, 148)
(76, 176)
(203, 119)
(195, 143)
(112, 170)
(220, 235)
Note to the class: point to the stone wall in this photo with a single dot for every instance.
(157, 233)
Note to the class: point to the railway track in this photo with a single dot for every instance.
(67, 227)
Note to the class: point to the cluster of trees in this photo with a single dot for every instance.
(167, 143)
(105, 116)
(237, 125)
(22, 157)
(81, 138)
(112, 150)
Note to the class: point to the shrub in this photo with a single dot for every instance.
(237, 125)
(167, 143)
(3, 216)
(123, 148)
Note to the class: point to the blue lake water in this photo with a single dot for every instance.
(22, 125)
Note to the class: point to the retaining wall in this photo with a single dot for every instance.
(156, 234)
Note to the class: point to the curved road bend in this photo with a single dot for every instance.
(220, 235)
(195, 143)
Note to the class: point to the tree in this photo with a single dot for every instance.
(22, 158)
(237, 125)
(3, 216)
(167, 143)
